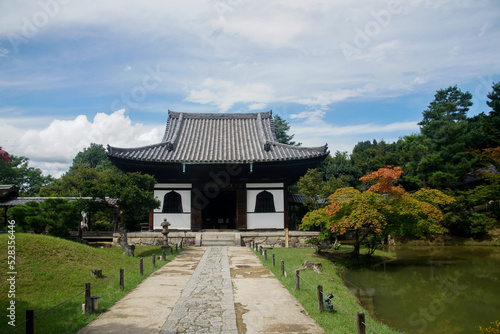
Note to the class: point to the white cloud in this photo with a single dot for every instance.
(225, 93)
(53, 148)
(325, 98)
(3, 52)
(310, 117)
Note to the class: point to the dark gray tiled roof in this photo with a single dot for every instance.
(215, 138)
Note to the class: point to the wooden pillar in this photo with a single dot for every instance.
(197, 202)
(285, 206)
(151, 220)
(241, 209)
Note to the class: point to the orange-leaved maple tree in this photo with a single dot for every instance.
(385, 178)
(381, 210)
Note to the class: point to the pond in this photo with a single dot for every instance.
(449, 289)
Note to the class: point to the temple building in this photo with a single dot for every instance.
(220, 171)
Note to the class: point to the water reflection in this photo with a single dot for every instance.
(433, 290)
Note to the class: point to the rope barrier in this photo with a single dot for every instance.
(67, 300)
(14, 328)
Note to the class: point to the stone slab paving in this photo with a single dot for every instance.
(144, 309)
(206, 304)
(263, 304)
(215, 289)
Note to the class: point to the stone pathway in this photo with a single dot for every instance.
(206, 304)
(207, 290)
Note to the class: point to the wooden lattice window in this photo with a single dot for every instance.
(172, 202)
(264, 202)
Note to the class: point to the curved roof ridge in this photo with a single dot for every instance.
(242, 115)
(314, 148)
(113, 149)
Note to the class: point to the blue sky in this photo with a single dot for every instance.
(76, 72)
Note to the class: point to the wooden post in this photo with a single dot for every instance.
(122, 285)
(260, 250)
(176, 248)
(297, 279)
(171, 250)
(321, 302)
(153, 258)
(286, 237)
(30, 321)
(282, 267)
(361, 323)
(88, 305)
(274, 260)
(265, 254)
(163, 256)
(141, 266)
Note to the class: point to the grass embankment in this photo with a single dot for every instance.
(343, 301)
(51, 270)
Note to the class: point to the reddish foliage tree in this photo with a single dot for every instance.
(385, 178)
(4, 156)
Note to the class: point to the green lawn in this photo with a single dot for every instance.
(344, 301)
(51, 270)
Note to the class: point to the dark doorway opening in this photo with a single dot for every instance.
(220, 213)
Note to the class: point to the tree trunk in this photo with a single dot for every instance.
(119, 218)
(357, 244)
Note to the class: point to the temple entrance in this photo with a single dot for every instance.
(220, 213)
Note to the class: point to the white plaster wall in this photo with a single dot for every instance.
(265, 220)
(180, 221)
(278, 194)
(185, 194)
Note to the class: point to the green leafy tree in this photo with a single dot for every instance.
(450, 105)
(485, 129)
(447, 140)
(316, 189)
(28, 180)
(369, 156)
(54, 216)
(93, 156)
(494, 96)
(126, 196)
(476, 209)
(342, 168)
(281, 128)
(311, 185)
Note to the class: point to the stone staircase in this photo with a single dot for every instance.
(218, 239)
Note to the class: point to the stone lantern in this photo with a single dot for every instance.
(165, 224)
